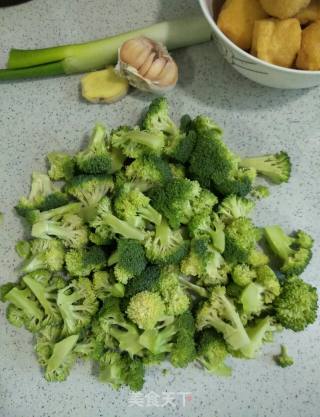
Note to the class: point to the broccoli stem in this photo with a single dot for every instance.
(39, 292)
(202, 292)
(20, 299)
(123, 228)
(151, 214)
(279, 242)
(32, 264)
(60, 351)
(163, 232)
(71, 59)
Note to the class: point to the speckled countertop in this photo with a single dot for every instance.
(40, 116)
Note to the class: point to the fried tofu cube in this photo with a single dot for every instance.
(277, 41)
(236, 20)
(284, 8)
(310, 13)
(309, 54)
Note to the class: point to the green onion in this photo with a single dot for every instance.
(72, 59)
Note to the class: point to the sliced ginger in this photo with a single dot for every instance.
(277, 41)
(237, 18)
(105, 86)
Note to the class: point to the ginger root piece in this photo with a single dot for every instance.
(105, 86)
(310, 13)
(309, 54)
(237, 18)
(277, 41)
(283, 8)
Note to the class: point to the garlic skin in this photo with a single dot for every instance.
(147, 65)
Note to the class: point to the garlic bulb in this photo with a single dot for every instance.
(147, 65)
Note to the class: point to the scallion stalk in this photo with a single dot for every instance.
(72, 59)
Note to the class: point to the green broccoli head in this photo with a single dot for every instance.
(220, 313)
(212, 352)
(239, 182)
(95, 159)
(183, 350)
(296, 307)
(165, 246)
(241, 236)
(77, 304)
(233, 207)
(180, 146)
(61, 166)
(259, 333)
(134, 142)
(260, 191)
(283, 359)
(295, 251)
(148, 280)
(205, 226)
(129, 258)
(146, 309)
(81, 262)
(23, 248)
(104, 286)
(89, 347)
(148, 171)
(276, 168)
(43, 196)
(269, 281)
(175, 200)
(157, 118)
(131, 205)
(243, 274)
(45, 254)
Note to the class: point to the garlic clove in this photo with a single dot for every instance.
(155, 69)
(147, 65)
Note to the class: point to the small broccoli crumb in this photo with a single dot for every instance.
(283, 359)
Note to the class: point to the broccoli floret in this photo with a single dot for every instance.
(295, 251)
(175, 298)
(134, 142)
(183, 350)
(45, 340)
(45, 254)
(233, 207)
(95, 159)
(146, 309)
(212, 352)
(4, 289)
(70, 230)
(81, 262)
(77, 304)
(34, 216)
(129, 258)
(205, 263)
(240, 182)
(104, 286)
(45, 288)
(118, 369)
(180, 146)
(61, 166)
(240, 237)
(43, 196)
(257, 258)
(177, 170)
(159, 340)
(283, 359)
(204, 203)
(259, 332)
(90, 347)
(125, 333)
(131, 205)
(269, 281)
(61, 360)
(107, 224)
(276, 168)
(296, 307)
(23, 248)
(148, 171)
(260, 191)
(118, 160)
(157, 118)
(204, 226)
(195, 289)
(148, 280)
(165, 246)
(89, 189)
(24, 309)
(220, 313)
(175, 199)
(243, 275)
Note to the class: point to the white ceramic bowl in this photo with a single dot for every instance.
(253, 68)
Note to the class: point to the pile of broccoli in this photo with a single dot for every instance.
(147, 252)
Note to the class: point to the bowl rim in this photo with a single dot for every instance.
(211, 21)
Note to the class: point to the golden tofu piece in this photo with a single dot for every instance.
(310, 13)
(276, 41)
(309, 54)
(283, 8)
(237, 18)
